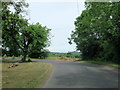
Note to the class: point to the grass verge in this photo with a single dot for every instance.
(111, 64)
(101, 63)
(25, 75)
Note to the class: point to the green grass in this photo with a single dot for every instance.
(25, 75)
(111, 64)
(101, 63)
(52, 57)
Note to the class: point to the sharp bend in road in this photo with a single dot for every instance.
(67, 74)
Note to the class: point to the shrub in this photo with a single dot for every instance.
(29, 60)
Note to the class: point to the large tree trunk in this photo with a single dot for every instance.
(24, 56)
(25, 53)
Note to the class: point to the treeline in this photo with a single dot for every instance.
(73, 54)
(18, 36)
(97, 31)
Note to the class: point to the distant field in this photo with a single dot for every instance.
(25, 75)
(53, 57)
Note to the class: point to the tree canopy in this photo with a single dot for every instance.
(20, 37)
(97, 33)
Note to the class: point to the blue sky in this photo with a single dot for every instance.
(58, 16)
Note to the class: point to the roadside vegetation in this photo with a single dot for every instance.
(111, 64)
(97, 32)
(19, 37)
(24, 75)
(22, 40)
(78, 58)
(70, 56)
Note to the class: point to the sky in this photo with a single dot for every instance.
(58, 16)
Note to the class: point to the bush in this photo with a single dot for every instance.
(13, 57)
(29, 60)
(39, 54)
(34, 55)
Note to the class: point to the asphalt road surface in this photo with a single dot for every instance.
(68, 74)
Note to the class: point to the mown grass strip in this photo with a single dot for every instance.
(26, 75)
(101, 63)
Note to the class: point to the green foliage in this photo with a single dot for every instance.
(13, 23)
(19, 37)
(39, 53)
(69, 54)
(97, 32)
(56, 54)
(29, 60)
(13, 57)
(73, 54)
(39, 36)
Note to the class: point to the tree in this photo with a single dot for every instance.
(18, 32)
(97, 31)
(39, 40)
(36, 53)
(107, 18)
(69, 54)
(12, 23)
(84, 37)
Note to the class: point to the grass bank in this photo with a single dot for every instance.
(25, 75)
(111, 64)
